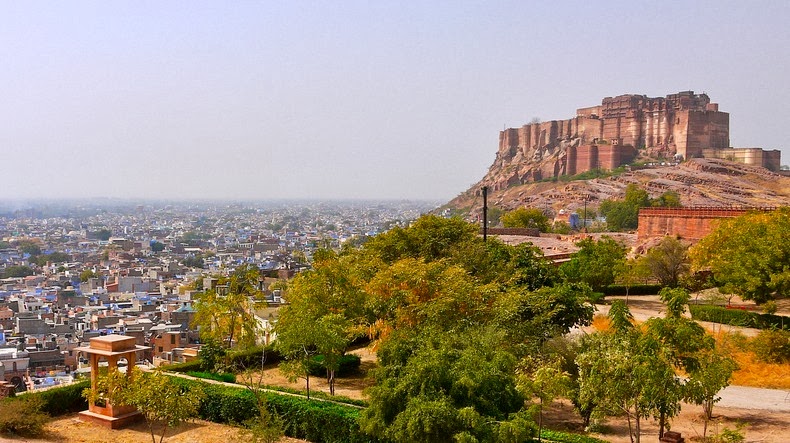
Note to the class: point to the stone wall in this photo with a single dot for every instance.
(687, 223)
(770, 160)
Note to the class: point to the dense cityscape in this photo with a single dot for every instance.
(76, 270)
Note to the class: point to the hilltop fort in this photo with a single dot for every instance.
(619, 131)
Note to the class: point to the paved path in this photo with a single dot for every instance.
(755, 398)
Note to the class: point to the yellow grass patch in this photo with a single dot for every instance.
(760, 374)
(753, 372)
(601, 323)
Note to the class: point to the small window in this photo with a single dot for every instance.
(172, 339)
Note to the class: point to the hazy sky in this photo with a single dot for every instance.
(344, 99)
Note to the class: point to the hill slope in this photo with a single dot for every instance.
(698, 182)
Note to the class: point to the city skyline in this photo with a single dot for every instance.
(200, 100)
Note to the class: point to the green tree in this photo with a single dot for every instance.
(87, 274)
(494, 215)
(194, 261)
(548, 382)
(17, 271)
(624, 214)
(622, 372)
(526, 218)
(669, 199)
(630, 272)
(711, 376)
(163, 403)
(679, 342)
(668, 261)
(530, 318)
(157, 246)
(29, 247)
(436, 387)
(748, 255)
(596, 262)
(103, 234)
(429, 237)
(229, 316)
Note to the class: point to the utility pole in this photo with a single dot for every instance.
(585, 214)
(485, 213)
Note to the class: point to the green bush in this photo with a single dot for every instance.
(632, 290)
(564, 437)
(226, 377)
(194, 365)
(238, 360)
(23, 416)
(318, 394)
(63, 400)
(312, 420)
(251, 358)
(772, 346)
(738, 317)
(349, 364)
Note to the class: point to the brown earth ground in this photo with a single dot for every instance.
(70, 428)
(760, 425)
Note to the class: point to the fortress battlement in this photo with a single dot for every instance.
(683, 125)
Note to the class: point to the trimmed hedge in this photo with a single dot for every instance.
(632, 290)
(194, 365)
(349, 364)
(564, 437)
(316, 421)
(63, 399)
(251, 358)
(226, 377)
(239, 360)
(738, 317)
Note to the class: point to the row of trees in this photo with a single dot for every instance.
(469, 333)
(471, 336)
(745, 256)
(451, 317)
(633, 370)
(620, 214)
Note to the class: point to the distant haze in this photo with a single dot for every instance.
(348, 99)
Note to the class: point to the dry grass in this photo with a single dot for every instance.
(752, 372)
(601, 323)
(759, 374)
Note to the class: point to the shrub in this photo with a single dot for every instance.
(226, 377)
(63, 400)
(311, 420)
(238, 360)
(770, 307)
(251, 358)
(564, 437)
(772, 346)
(738, 317)
(194, 365)
(22, 416)
(641, 289)
(349, 364)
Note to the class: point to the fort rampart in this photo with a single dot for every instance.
(691, 223)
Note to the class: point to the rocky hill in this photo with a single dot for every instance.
(698, 182)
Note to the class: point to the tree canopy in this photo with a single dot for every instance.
(748, 255)
(228, 316)
(596, 263)
(526, 218)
